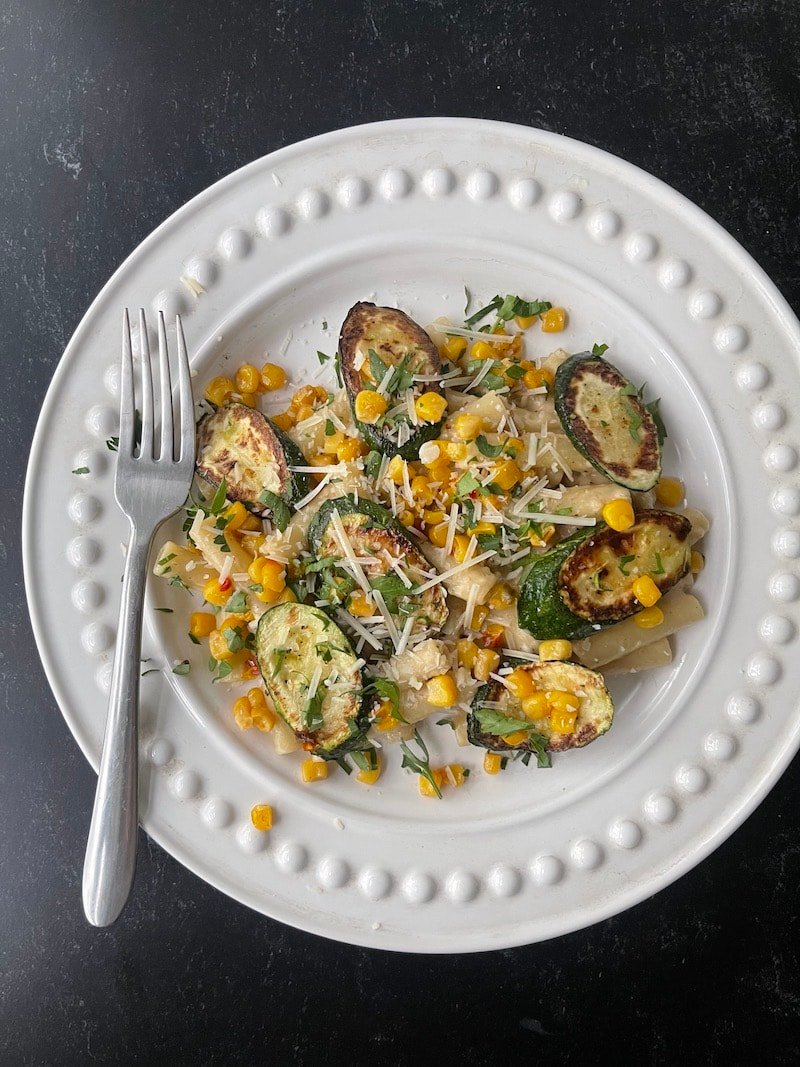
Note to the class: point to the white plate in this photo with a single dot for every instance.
(408, 213)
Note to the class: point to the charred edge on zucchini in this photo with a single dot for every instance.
(372, 530)
(296, 643)
(604, 417)
(244, 447)
(540, 608)
(395, 339)
(595, 715)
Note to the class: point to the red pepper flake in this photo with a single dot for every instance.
(225, 585)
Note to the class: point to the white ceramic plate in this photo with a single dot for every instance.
(409, 213)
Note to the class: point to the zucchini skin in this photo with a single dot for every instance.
(540, 608)
(585, 438)
(301, 483)
(347, 505)
(351, 333)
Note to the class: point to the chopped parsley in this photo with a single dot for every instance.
(237, 603)
(599, 350)
(391, 587)
(182, 668)
(659, 567)
(278, 507)
(322, 357)
(486, 448)
(419, 764)
(623, 563)
(81, 470)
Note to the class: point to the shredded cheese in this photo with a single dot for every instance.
(394, 633)
(362, 632)
(347, 548)
(451, 529)
(314, 492)
(455, 570)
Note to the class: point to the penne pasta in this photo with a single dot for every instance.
(680, 609)
(657, 654)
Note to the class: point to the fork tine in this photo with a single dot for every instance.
(146, 448)
(126, 397)
(185, 399)
(167, 445)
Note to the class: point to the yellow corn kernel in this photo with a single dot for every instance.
(535, 705)
(525, 321)
(235, 515)
(433, 518)
(201, 623)
(332, 442)
(453, 348)
(242, 712)
(483, 528)
(272, 377)
(248, 399)
(406, 517)
(430, 407)
(460, 546)
(425, 787)
(284, 420)
(618, 514)
(219, 390)
(514, 445)
(492, 763)
(507, 475)
(303, 412)
(395, 470)
(212, 593)
(520, 683)
(502, 596)
(669, 492)
(486, 662)
(359, 606)
(319, 459)
(495, 633)
(369, 406)
(516, 738)
(268, 573)
(312, 770)
(421, 490)
(261, 816)
(310, 395)
(442, 690)
(482, 350)
(559, 700)
(438, 535)
(453, 450)
(286, 596)
(248, 380)
(649, 618)
(532, 378)
(382, 716)
(256, 698)
(466, 651)
(555, 649)
(455, 774)
(218, 646)
(351, 448)
(696, 562)
(480, 614)
(554, 320)
(563, 722)
(646, 591)
(370, 777)
(467, 427)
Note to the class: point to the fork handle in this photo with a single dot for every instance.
(111, 848)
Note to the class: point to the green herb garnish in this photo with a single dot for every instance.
(659, 567)
(486, 448)
(278, 507)
(419, 764)
(623, 563)
(237, 603)
(81, 470)
(182, 668)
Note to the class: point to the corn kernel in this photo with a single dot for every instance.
(370, 777)
(467, 427)
(248, 380)
(518, 737)
(369, 406)
(272, 377)
(242, 711)
(535, 705)
(532, 378)
(560, 700)
(453, 450)
(563, 722)
(486, 662)
(256, 698)
(696, 562)
(480, 614)
(554, 320)
(618, 514)
(382, 716)
(212, 593)
(303, 412)
(268, 573)
(312, 770)
(669, 492)
(332, 442)
(351, 448)
(646, 591)
(442, 691)
(286, 596)
(437, 535)
(426, 789)
(453, 347)
(284, 420)
(520, 683)
(248, 399)
(218, 646)
(555, 650)
(483, 528)
(430, 407)
(421, 490)
(261, 816)
(649, 618)
(514, 445)
(359, 606)
(235, 515)
(319, 459)
(525, 321)
(494, 635)
(466, 651)
(455, 773)
(201, 623)
(309, 396)
(507, 475)
(482, 350)
(433, 518)
(460, 545)
(406, 517)
(502, 596)
(395, 470)
(219, 389)
(492, 763)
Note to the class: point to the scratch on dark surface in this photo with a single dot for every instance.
(112, 117)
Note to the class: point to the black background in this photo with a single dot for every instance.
(111, 116)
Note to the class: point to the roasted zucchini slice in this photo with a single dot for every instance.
(603, 415)
(377, 539)
(373, 340)
(314, 678)
(586, 581)
(254, 457)
(499, 725)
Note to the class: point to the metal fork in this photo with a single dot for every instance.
(149, 488)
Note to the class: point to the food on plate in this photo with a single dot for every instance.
(456, 541)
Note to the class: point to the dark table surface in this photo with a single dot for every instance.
(111, 116)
